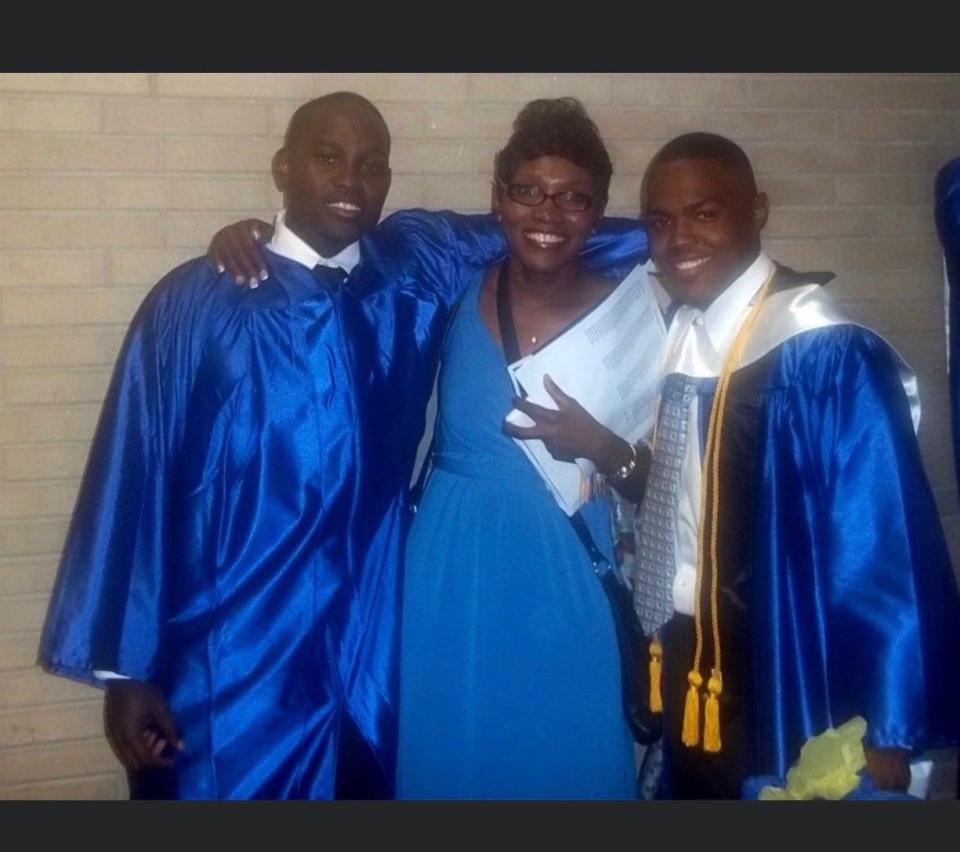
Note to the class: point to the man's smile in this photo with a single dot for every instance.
(345, 209)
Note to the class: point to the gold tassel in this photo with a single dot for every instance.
(691, 710)
(711, 722)
(656, 666)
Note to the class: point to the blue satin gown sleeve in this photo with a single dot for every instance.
(616, 246)
(858, 612)
(441, 252)
(437, 254)
(106, 607)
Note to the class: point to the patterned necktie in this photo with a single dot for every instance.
(656, 565)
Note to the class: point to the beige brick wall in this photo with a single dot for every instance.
(108, 180)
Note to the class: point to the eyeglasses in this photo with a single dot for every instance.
(530, 196)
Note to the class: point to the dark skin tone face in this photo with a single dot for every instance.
(704, 221)
(547, 286)
(543, 239)
(335, 175)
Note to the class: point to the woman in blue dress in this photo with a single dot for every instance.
(510, 673)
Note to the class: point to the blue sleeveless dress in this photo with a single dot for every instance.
(510, 674)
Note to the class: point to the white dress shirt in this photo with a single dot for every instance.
(697, 344)
(287, 244)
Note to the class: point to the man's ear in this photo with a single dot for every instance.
(280, 167)
(761, 211)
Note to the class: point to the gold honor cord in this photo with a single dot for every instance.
(711, 473)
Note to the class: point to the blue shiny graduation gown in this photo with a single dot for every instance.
(238, 532)
(852, 605)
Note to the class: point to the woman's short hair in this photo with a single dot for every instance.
(558, 127)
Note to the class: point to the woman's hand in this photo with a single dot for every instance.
(570, 432)
(236, 249)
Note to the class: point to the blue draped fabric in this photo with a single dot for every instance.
(853, 606)
(238, 531)
(510, 676)
(947, 214)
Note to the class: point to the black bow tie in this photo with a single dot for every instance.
(330, 276)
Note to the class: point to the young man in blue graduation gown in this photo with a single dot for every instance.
(232, 550)
(834, 591)
(234, 554)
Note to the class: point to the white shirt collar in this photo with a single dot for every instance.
(287, 244)
(698, 340)
(722, 318)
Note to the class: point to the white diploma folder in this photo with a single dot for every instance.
(609, 361)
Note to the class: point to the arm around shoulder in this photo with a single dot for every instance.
(440, 252)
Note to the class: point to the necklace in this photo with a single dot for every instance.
(504, 312)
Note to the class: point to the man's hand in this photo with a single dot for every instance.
(888, 767)
(139, 725)
(236, 250)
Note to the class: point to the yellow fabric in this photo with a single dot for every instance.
(828, 765)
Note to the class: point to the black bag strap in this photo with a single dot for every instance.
(508, 335)
(508, 331)
(597, 559)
